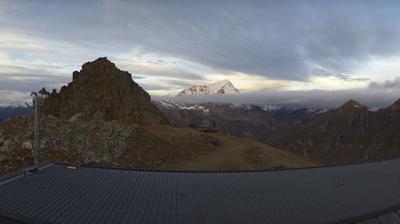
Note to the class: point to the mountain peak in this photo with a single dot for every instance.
(225, 81)
(99, 63)
(395, 106)
(218, 88)
(351, 104)
(101, 68)
(102, 91)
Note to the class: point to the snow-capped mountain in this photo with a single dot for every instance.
(218, 88)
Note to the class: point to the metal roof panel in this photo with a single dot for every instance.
(92, 195)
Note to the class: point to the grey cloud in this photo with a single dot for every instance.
(277, 39)
(138, 77)
(349, 78)
(150, 87)
(388, 84)
(31, 82)
(164, 73)
(176, 83)
(143, 70)
(12, 97)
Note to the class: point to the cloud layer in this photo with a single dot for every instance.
(171, 45)
(376, 95)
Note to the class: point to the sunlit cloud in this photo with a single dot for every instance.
(246, 82)
(12, 97)
(327, 83)
(380, 68)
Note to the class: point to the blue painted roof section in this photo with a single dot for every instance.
(344, 194)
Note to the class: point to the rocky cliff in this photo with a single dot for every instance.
(102, 91)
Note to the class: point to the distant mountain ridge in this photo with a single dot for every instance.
(349, 133)
(219, 88)
(240, 120)
(10, 111)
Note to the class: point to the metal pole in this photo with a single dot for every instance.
(36, 147)
(37, 101)
(37, 131)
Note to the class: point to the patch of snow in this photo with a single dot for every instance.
(193, 107)
(317, 110)
(374, 109)
(271, 108)
(219, 88)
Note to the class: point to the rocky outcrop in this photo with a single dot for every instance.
(102, 91)
(8, 146)
(27, 145)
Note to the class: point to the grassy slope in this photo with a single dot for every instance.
(231, 153)
(149, 147)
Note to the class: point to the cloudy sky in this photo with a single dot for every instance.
(336, 47)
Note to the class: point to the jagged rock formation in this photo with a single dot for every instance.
(102, 91)
(218, 88)
(348, 134)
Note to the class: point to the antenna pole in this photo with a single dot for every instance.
(37, 131)
(37, 102)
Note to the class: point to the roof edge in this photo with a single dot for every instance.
(229, 171)
(20, 173)
(371, 215)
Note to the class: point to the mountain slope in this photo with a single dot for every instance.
(348, 134)
(218, 88)
(244, 121)
(11, 111)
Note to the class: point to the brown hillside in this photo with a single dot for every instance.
(348, 134)
(111, 143)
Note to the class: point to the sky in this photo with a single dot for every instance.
(280, 48)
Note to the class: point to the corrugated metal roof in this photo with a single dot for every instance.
(5, 220)
(346, 194)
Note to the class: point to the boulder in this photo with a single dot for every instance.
(26, 145)
(8, 146)
(3, 158)
(78, 117)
